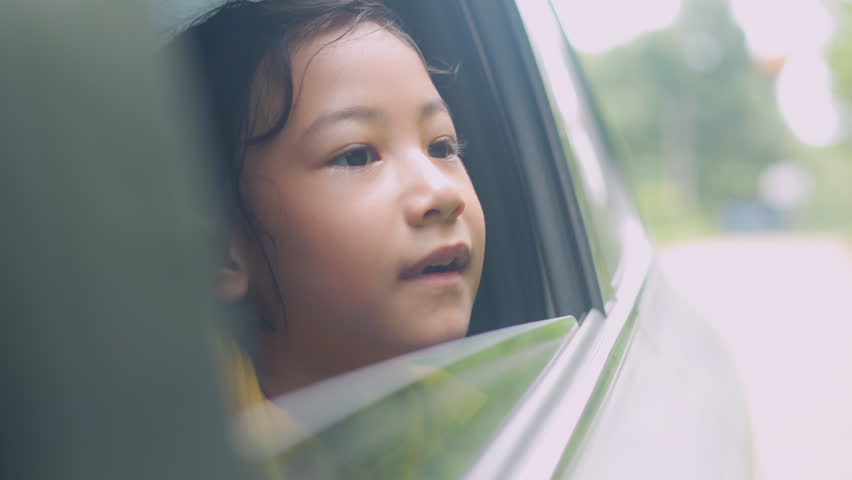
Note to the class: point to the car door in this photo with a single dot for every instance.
(646, 390)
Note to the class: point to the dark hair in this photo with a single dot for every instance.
(241, 49)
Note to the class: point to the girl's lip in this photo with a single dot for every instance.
(456, 254)
(442, 279)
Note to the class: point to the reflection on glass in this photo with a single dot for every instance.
(427, 414)
(581, 139)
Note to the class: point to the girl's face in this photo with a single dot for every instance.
(367, 215)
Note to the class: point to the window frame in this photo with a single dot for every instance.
(554, 414)
(556, 217)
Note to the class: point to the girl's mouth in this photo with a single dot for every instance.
(442, 267)
(450, 260)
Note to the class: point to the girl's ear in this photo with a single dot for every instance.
(235, 272)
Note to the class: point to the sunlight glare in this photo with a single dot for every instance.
(805, 99)
(779, 29)
(598, 26)
(796, 32)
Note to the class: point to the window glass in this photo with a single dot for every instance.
(585, 150)
(424, 415)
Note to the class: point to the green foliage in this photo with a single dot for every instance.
(695, 123)
(830, 202)
(840, 55)
(670, 218)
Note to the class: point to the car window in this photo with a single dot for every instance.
(585, 147)
(426, 414)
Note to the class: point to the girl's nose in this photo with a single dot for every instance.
(434, 195)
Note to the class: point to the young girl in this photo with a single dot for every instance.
(355, 232)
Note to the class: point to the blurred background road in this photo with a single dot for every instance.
(783, 306)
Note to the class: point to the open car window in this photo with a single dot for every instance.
(537, 251)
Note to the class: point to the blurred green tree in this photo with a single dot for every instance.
(694, 117)
(840, 54)
(832, 199)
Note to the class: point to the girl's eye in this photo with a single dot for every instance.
(443, 148)
(357, 157)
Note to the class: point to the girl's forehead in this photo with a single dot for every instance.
(341, 68)
(352, 48)
(357, 66)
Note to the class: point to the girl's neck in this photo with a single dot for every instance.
(285, 365)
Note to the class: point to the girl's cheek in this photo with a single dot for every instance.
(260, 197)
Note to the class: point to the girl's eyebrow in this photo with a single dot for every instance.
(357, 112)
(371, 115)
(432, 107)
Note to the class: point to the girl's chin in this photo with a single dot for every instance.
(443, 328)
